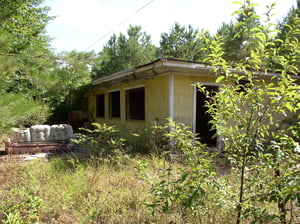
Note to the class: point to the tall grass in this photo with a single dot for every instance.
(69, 192)
(115, 187)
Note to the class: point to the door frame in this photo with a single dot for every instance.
(218, 145)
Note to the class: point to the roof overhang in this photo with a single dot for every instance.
(165, 66)
(158, 67)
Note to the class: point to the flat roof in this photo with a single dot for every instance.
(154, 67)
(160, 66)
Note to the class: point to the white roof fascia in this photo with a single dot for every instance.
(185, 65)
(172, 64)
(126, 73)
(113, 76)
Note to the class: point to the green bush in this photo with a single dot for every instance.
(20, 111)
(103, 144)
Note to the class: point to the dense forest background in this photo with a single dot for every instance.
(37, 85)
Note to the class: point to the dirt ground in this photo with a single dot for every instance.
(2, 147)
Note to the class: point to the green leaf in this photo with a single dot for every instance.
(289, 106)
(220, 79)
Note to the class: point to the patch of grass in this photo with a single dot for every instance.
(64, 191)
(68, 191)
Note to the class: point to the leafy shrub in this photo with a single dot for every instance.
(261, 150)
(103, 143)
(20, 111)
(191, 187)
(37, 115)
(150, 140)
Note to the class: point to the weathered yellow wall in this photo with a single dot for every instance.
(157, 99)
(156, 102)
(184, 96)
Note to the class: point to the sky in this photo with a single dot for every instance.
(86, 25)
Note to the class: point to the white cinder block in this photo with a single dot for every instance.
(40, 132)
(61, 132)
(21, 134)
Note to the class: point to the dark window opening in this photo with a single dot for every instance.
(100, 105)
(135, 104)
(114, 104)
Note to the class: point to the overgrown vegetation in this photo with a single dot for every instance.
(30, 72)
(250, 117)
(255, 179)
(114, 185)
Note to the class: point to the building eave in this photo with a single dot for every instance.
(155, 67)
(166, 65)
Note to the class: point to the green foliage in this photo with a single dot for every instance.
(189, 188)
(34, 115)
(250, 118)
(66, 191)
(17, 110)
(181, 43)
(18, 15)
(29, 72)
(147, 140)
(182, 188)
(259, 122)
(288, 20)
(241, 38)
(235, 37)
(25, 63)
(25, 46)
(124, 52)
(73, 73)
(25, 210)
(104, 144)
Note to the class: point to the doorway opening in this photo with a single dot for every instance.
(203, 127)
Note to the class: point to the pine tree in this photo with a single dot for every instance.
(24, 63)
(181, 43)
(125, 51)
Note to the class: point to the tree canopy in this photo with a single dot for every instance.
(181, 43)
(125, 51)
(73, 72)
(25, 58)
(235, 40)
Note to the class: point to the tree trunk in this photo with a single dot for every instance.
(281, 203)
(238, 218)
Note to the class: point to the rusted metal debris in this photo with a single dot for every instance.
(39, 139)
(35, 147)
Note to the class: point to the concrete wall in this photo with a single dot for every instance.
(157, 95)
(156, 102)
(184, 90)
